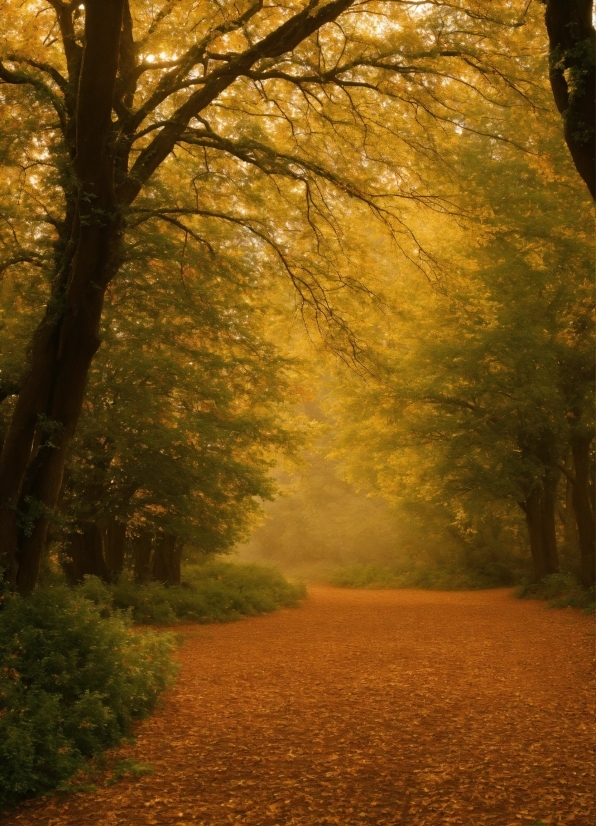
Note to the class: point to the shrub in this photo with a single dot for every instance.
(212, 592)
(561, 590)
(438, 579)
(71, 683)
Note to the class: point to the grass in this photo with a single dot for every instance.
(98, 772)
(213, 592)
(128, 768)
(561, 591)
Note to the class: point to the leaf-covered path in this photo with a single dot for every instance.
(365, 707)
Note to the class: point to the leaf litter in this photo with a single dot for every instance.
(362, 708)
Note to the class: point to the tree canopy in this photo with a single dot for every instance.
(171, 172)
(482, 390)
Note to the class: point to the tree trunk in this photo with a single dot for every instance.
(51, 398)
(142, 545)
(85, 555)
(569, 520)
(584, 509)
(166, 560)
(531, 509)
(115, 546)
(539, 508)
(75, 342)
(548, 506)
(572, 76)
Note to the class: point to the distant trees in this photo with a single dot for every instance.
(483, 390)
(323, 520)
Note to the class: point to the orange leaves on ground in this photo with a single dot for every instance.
(364, 708)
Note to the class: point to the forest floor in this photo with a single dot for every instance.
(377, 708)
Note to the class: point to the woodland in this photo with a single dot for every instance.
(344, 242)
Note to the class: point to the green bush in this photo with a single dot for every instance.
(561, 590)
(212, 592)
(71, 683)
(439, 579)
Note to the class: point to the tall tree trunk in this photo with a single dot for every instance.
(75, 342)
(584, 508)
(142, 545)
(50, 401)
(115, 546)
(166, 559)
(568, 516)
(85, 554)
(548, 506)
(539, 509)
(572, 41)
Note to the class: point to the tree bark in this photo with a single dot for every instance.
(572, 42)
(166, 560)
(583, 507)
(548, 507)
(568, 516)
(50, 402)
(539, 509)
(142, 545)
(115, 547)
(85, 554)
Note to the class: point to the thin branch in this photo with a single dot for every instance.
(568, 472)
(24, 258)
(43, 67)
(20, 78)
(283, 39)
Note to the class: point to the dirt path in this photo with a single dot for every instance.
(407, 708)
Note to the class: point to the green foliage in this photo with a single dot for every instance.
(74, 675)
(482, 383)
(213, 592)
(71, 683)
(435, 578)
(189, 401)
(561, 591)
(128, 767)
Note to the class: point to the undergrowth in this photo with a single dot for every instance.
(71, 683)
(440, 579)
(561, 591)
(212, 592)
(75, 673)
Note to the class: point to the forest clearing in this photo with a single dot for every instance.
(364, 708)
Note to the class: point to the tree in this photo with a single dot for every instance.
(187, 408)
(317, 99)
(485, 382)
(572, 52)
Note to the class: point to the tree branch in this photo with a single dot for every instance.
(284, 39)
(21, 78)
(568, 472)
(43, 67)
(23, 258)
